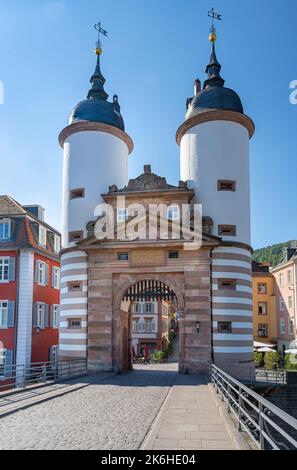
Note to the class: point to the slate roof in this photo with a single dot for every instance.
(24, 228)
(96, 108)
(214, 94)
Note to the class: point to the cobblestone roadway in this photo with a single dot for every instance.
(115, 414)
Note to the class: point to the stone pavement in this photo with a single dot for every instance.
(189, 419)
(118, 412)
(115, 413)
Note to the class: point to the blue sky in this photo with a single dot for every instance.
(154, 52)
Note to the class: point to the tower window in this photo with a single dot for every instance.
(77, 193)
(173, 254)
(76, 236)
(227, 230)
(227, 284)
(74, 323)
(224, 327)
(123, 256)
(226, 185)
(75, 286)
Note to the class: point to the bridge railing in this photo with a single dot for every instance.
(268, 426)
(23, 375)
(278, 376)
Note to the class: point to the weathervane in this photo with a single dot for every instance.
(100, 31)
(214, 16)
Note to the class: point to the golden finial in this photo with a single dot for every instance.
(213, 36)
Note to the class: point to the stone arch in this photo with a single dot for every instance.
(121, 320)
(170, 282)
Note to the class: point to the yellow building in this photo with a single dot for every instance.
(264, 305)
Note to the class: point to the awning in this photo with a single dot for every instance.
(263, 345)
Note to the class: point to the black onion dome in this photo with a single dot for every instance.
(94, 110)
(214, 98)
(214, 94)
(95, 107)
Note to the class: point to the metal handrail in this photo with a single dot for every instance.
(264, 422)
(278, 376)
(21, 376)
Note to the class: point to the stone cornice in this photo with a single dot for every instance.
(95, 126)
(215, 115)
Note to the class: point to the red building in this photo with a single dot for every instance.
(29, 286)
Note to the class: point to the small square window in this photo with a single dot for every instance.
(262, 288)
(263, 330)
(226, 185)
(123, 256)
(227, 230)
(262, 308)
(227, 284)
(173, 254)
(75, 286)
(224, 327)
(77, 193)
(74, 323)
(76, 236)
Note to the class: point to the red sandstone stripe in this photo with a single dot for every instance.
(231, 269)
(231, 257)
(231, 293)
(226, 306)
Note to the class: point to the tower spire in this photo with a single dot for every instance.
(214, 67)
(97, 80)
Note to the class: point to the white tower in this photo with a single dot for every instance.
(214, 160)
(96, 150)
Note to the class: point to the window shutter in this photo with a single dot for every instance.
(8, 364)
(11, 309)
(45, 316)
(53, 277)
(46, 274)
(12, 269)
(35, 322)
(52, 317)
(36, 271)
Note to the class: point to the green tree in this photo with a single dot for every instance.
(258, 357)
(271, 359)
(291, 361)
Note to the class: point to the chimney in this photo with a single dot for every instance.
(197, 86)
